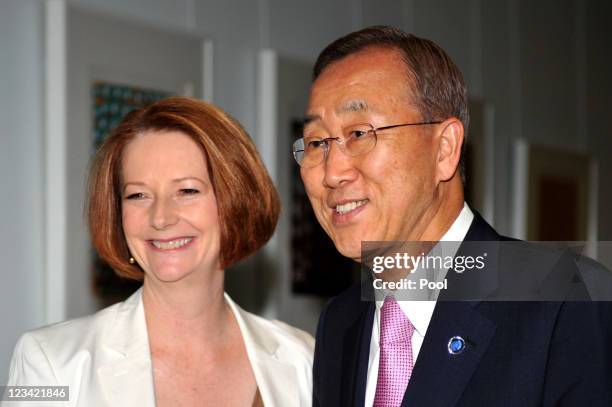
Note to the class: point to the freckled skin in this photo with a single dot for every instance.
(412, 192)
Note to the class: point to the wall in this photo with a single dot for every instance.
(21, 172)
(543, 65)
(233, 25)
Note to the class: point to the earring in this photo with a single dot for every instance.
(131, 260)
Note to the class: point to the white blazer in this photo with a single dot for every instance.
(106, 361)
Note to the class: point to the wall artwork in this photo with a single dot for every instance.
(110, 103)
(113, 101)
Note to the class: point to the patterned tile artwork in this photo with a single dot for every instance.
(113, 101)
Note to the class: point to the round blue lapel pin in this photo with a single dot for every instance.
(456, 345)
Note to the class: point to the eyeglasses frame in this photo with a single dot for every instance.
(338, 140)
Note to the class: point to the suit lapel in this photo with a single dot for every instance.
(276, 379)
(439, 377)
(355, 356)
(126, 376)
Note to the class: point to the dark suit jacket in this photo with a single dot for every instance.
(518, 353)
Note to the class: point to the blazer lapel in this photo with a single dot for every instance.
(439, 377)
(355, 356)
(276, 378)
(126, 376)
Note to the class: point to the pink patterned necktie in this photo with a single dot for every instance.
(395, 366)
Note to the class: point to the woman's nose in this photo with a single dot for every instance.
(163, 214)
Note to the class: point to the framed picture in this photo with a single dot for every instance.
(112, 101)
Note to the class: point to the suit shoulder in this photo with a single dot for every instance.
(70, 336)
(39, 353)
(84, 324)
(344, 305)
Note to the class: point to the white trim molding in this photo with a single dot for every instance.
(55, 160)
(520, 188)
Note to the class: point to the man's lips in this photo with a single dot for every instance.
(344, 211)
(345, 206)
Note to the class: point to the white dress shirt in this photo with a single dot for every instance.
(418, 312)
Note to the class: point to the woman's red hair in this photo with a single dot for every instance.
(247, 201)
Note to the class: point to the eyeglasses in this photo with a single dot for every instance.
(357, 139)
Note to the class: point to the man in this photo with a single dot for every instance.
(380, 161)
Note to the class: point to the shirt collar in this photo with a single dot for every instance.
(420, 312)
(459, 228)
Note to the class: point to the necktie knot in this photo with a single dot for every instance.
(394, 325)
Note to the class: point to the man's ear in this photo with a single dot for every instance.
(450, 140)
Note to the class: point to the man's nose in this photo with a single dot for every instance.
(163, 214)
(339, 167)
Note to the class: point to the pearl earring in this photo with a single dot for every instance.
(131, 260)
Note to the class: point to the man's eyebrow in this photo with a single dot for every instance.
(353, 106)
(309, 119)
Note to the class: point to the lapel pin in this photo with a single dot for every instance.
(456, 345)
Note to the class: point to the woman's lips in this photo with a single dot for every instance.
(166, 245)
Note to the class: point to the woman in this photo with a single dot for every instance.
(176, 194)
